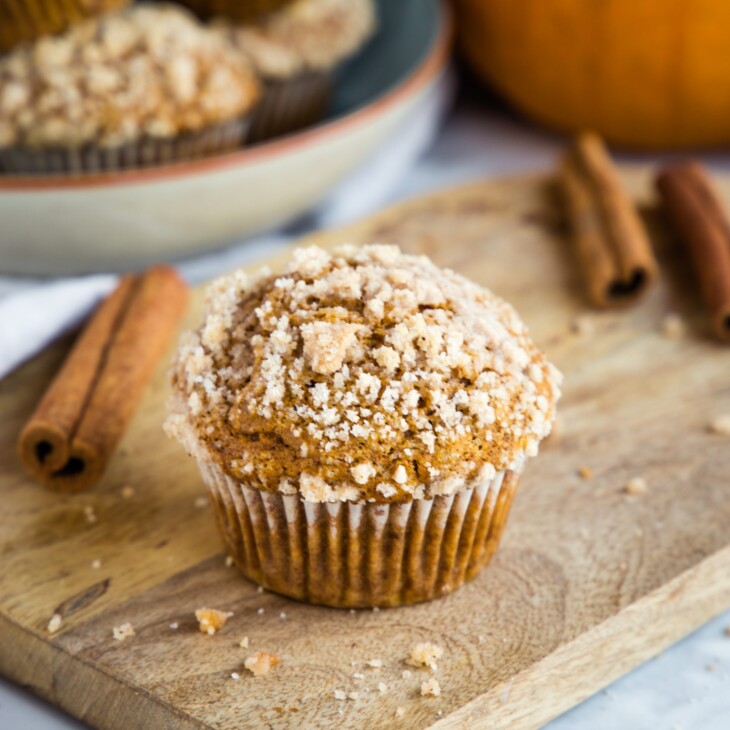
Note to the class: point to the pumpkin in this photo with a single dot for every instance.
(643, 73)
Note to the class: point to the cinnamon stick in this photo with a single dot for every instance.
(71, 436)
(703, 227)
(612, 245)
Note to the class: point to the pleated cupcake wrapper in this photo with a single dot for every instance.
(22, 21)
(147, 152)
(290, 105)
(357, 555)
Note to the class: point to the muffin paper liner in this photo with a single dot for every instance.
(147, 152)
(357, 555)
(288, 106)
(22, 21)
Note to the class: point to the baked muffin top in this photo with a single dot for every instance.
(146, 71)
(306, 35)
(367, 374)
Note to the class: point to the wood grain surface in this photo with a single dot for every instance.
(589, 582)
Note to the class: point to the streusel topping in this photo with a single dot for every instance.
(365, 374)
(148, 71)
(306, 35)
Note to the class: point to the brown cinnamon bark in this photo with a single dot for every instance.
(70, 438)
(704, 229)
(610, 240)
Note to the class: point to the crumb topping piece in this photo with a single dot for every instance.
(425, 654)
(305, 35)
(54, 625)
(122, 632)
(721, 425)
(367, 374)
(673, 326)
(211, 620)
(146, 71)
(636, 486)
(430, 688)
(261, 663)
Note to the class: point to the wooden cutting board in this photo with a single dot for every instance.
(589, 583)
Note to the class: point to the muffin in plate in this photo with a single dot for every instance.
(22, 21)
(296, 52)
(147, 85)
(360, 422)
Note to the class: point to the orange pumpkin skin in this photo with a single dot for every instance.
(651, 74)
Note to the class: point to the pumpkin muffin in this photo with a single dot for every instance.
(147, 85)
(22, 21)
(296, 52)
(360, 422)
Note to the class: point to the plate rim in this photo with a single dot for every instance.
(429, 67)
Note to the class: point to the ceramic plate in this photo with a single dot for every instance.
(55, 225)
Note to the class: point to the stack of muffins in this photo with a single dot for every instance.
(107, 85)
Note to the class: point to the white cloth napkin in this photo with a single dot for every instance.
(34, 312)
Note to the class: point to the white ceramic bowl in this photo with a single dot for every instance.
(60, 225)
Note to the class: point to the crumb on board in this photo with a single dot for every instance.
(235, 675)
(583, 325)
(127, 491)
(721, 425)
(261, 663)
(90, 514)
(430, 688)
(358, 675)
(261, 611)
(282, 616)
(259, 589)
(201, 502)
(673, 326)
(243, 643)
(374, 663)
(174, 625)
(55, 623)
(123, 631)
(585, 472)
(340, 694)
(95, 564)
(425, 654)
(211, 620)
(229, 561)
(382, 687)
(636, 486)
(400, 711)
